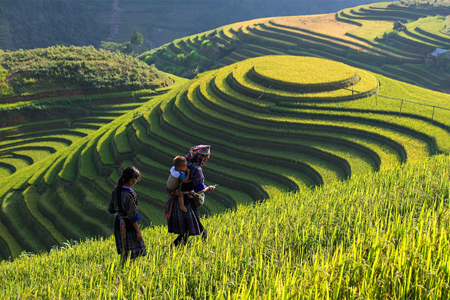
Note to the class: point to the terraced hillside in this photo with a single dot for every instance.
(362, 36)
(270, 131)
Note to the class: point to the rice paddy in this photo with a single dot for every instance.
(383, 235)
(353, 205)
(361, 36)
(289, 139)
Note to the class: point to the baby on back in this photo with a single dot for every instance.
(178, 173)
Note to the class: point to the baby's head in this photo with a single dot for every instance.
(180, 163)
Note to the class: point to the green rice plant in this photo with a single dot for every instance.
(6, 170)
(264, 50)
(282, 120)
(79, 212)
(22, 225)
(52, 143)
(438, 35)
(417, 36)
(18, 163)
(423, 69)
(13, 247)
(430, 27)
(252, 35)
(240, 80)
(88, 170)
(32, 198)
(103, 147)
(227, 122)
(49, 133)
(203, 92)
(158, 152)
(30, 127)
(411, 123)
(69, 170)
(121, 142)
(54, 170)
(346, 240)
(5, 89)
(274, 172)
(359, 164)
(396, 90)
(302, 70)
(51, 205)
(411, 75)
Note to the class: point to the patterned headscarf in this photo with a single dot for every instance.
(198, 153)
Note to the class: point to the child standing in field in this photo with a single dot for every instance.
(129, 242)
(178, 173)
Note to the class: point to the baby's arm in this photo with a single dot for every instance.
(188, 172)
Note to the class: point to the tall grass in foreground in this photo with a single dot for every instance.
(382, 236)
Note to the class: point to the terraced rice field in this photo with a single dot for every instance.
(361, 36)
(270, 132)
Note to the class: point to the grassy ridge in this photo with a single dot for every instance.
(381, 235)
(65, 68)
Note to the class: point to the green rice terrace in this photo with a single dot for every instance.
(361, 36)
(270, 133)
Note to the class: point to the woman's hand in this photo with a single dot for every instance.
(139, 236)
(138, 231)
(212, 188)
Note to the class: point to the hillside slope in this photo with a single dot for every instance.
(28, 72)
(303, 131)
(44, 23)
(382, 235)
(361, 36)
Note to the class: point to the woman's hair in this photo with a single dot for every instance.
(127, 175)
(178, 161)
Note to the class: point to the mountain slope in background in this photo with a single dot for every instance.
(43, 23)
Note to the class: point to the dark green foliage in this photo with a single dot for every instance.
(136, 37)
(426, 4)
(84, 66)
(149, 59)
(128, 49)
(111, 46)
(192, 59)
(441, 63)
(5, 88)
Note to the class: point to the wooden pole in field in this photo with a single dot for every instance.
(401, 105)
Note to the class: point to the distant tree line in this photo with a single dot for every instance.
(136, 41)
